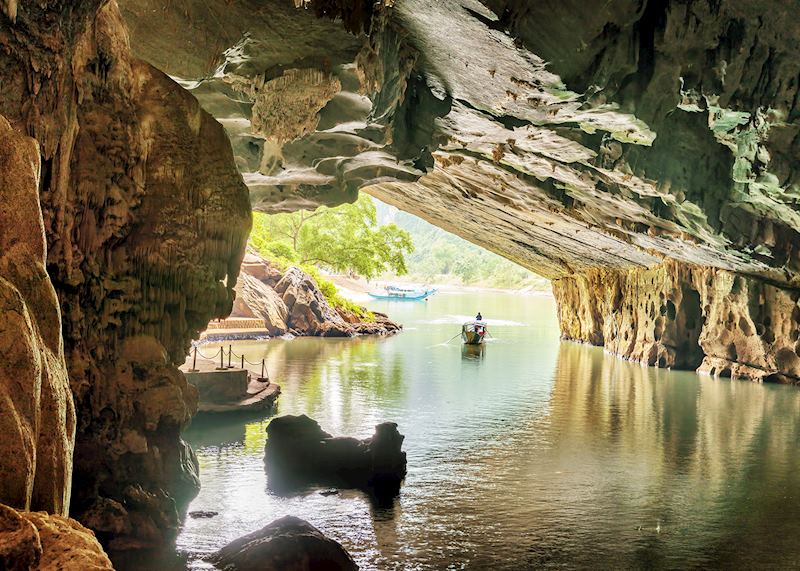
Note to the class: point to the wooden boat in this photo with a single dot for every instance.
(473, 332)
(404, 293)
(473, 352)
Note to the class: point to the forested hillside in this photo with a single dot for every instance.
(441, 257)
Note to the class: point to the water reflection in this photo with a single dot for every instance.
(472, 352)
(532, 454)
(680, 471)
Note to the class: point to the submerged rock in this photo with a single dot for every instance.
(286, 544)
(298, 452)
(201, 514)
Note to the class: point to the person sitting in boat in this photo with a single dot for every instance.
(479, 317)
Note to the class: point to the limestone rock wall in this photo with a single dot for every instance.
(37, 541)
(37, 415)
(690, 317)
(146, 219)
(561, 137)
(255, 299)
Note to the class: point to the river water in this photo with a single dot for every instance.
(532, 453)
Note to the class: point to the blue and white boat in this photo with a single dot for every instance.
(404, 293)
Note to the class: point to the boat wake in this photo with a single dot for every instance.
(460, 319)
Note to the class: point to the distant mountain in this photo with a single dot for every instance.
(441, 257)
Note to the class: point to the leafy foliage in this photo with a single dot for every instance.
(343, 239)
(347, 239)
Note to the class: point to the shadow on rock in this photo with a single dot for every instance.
(286, 543)
(299, 453)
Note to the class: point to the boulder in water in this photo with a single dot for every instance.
(288, 543)
(299, 452)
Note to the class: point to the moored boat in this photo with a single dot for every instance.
(473, 332)
(404, 293)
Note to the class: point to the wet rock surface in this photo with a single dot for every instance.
(288, 543)
(37, 541)
(298, 453)
(717, 322)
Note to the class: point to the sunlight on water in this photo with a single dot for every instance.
(526, 453)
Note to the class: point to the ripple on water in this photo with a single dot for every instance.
(530, 454)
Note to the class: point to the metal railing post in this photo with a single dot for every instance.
(194, 362)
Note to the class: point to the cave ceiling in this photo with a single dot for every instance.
(565, 135)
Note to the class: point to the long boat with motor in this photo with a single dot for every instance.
(404, 293)
(474, 332)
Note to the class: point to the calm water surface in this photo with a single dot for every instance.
(530, 454)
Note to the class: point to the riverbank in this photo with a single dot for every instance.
(275, 302)
(357, 289)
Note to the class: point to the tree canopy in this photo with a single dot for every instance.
(346, 239)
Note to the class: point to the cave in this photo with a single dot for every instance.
(643, 157)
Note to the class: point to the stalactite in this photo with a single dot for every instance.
(688, 317)
(145, 215)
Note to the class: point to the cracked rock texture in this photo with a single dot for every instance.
(146, 219)
(38, 541)
(37, 416)
(291, 302)
(674, 315)
(581, 143)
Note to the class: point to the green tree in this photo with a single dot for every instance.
(347, 238)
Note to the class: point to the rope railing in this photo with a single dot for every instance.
(221, 353)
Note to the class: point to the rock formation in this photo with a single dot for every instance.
(309, 310)
(255, 299)
(674, 315)
(292, 302)
(286, 543)
(37, 416)
(579, 143)
(643, 155)
(145, 219)
(298, 452)
(37, 541)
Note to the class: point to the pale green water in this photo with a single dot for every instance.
(531, 454)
